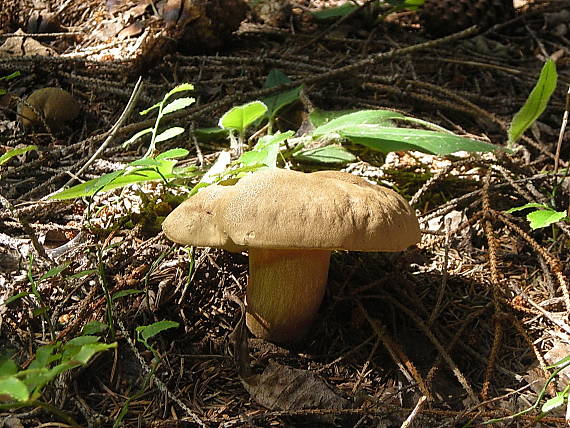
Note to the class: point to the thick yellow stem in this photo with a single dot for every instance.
(284, 291)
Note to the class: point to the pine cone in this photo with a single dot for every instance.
(443, 17)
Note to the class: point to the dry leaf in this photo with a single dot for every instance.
(284, 388)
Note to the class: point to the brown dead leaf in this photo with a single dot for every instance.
(24, 46)
(280, 387)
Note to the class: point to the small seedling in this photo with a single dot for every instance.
(146, 332)
(558, 400)
(15, 152)
(541, 217)
(23, 387)
(535, 104)
(238, 119)
(152, 166)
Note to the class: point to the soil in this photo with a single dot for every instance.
(457, 330)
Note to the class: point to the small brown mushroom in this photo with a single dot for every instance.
(290, 222)
(56, 105)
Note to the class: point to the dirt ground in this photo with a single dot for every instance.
(455, 331)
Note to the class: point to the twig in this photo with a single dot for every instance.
(445, 355)
(27, 228)
(126, 112)
(445, 274)
(562, 131)
(161, 386)
(543, 311)
(331, 27)
(362, 371)
(419, 406)
(495, 287)
(552, 262)
(400, 359)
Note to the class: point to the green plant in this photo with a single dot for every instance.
(238, 118)
(20, 387)
(277, 102)
(558, 400)
(41, 309)
(15, 152)
(8, 77)
(376, 129)
(146, 332)
(536, 102)
(542, 215)
(152, 166)
(23, 387)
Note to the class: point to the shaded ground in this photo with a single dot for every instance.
(469, 319)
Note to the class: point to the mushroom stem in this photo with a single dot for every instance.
(284, 291)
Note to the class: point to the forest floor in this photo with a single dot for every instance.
(458, 330)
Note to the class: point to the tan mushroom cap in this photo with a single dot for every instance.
(278, 208)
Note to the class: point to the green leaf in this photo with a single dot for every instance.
(81, 355)
(168, 134)
(173, 154)
(350, 120)
(209, 134)
(7, 367)
(241, 117)
(94, 327)
(12, 388)
(148, 331)
(536, 102)
(146, 162)
(529, 205)
(137, 136)
(82, 273)
(163, 169)
(406, 4)
(335, 12)
(16, 297)
(554, 402)
(320, 117)
(325, 155)
(55, 271)
(10, 76)
(78, 342)
(39, 373)
(265, 151)
(390, 139)
(45, 355)
(124, 293)
(151, 108)
(89, 188)
(180, 88)
(276, 102)
(544, 218)
(15, 152)
(178, 104)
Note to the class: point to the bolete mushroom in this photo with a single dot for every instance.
(290, 222)
(55, 104)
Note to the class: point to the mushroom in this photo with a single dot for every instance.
(289, 222)
(55, 104)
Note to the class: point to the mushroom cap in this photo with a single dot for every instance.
(57, 105)
(279, 208)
